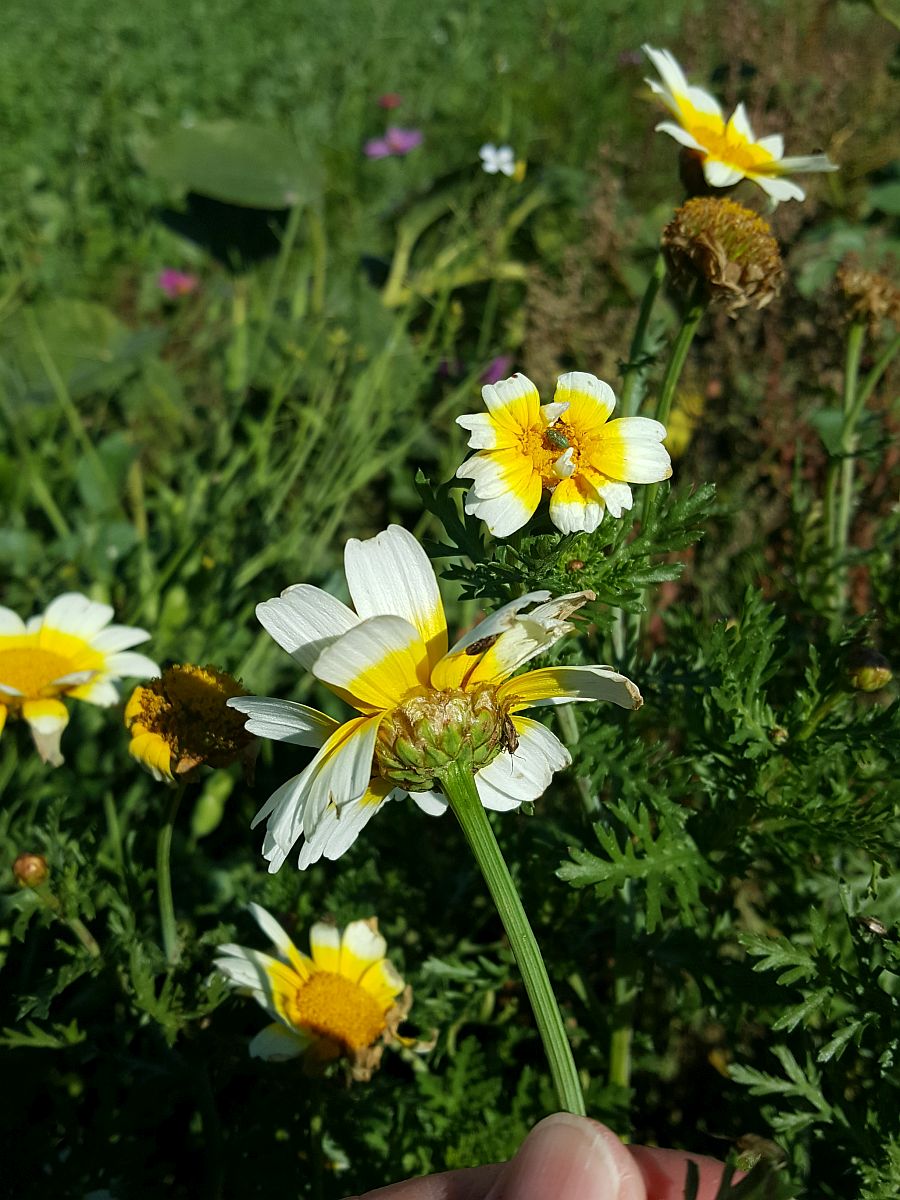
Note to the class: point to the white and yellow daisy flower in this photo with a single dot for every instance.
(389, 660)
(729, 150)
(344, 998)
(569, 449)
(69, 650)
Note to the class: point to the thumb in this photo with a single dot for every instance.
(571, 1157)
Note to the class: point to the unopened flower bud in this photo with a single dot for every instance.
(31, 870)
(726, 249)
(426, 734)
(867, 670)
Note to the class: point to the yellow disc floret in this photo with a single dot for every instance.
(333, 1007)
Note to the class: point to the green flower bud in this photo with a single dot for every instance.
(867, 670)
(423, 736)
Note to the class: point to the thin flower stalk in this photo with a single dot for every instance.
(171, 946)
(459, 787)
(635, 370)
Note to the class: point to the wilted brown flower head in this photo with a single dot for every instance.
(182, 721)
(726, 249)
(868, 296)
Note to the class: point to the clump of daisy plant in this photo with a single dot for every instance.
(728, 151)
(342, 1000)
(568, 450)
(69, 651)
(442, 726)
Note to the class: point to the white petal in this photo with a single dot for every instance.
(808, 162)
(74, 679)
(74, 613)
(779, 189)
(586, 394)
(304, 620)
(773, 144)
(720, 174)
(7, 690)
(102, 692)
(550, 413)
(575, 509)
(616, 496)
(680, 135)
(119, 637)
(245, 968)
(525, 774)
(340, 772)
(433, 804)
(273, 931)
(503, 394)
(482, 430)
(278, 1043)
(391, 575)
(284, 720)
(565, 685)
(127, 662)
(378, 663)
(740, 123)
(10, 623)
(337, 829)
(503, 514)
(564, 467)
(532, 634)
(503, 618)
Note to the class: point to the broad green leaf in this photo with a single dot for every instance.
(254, 166)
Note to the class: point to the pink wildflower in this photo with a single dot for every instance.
(177, 283)
(497, 369)
(395, 141)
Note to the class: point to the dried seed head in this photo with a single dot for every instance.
(867, 296)
(423, 736)
(726, 249)
(181, 721)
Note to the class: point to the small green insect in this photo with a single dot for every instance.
(557, 439)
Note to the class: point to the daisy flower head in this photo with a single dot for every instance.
(342, 999)
(71, 649)
(728, 150)
(569, 449)
(180, 722)
(421, 709)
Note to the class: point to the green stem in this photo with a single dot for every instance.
(164, 877)
(636, 367)
(624, 995)
(675, 366)
(845, 469)
(873, 378)
(459, 787)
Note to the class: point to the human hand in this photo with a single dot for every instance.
(568, 1158)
